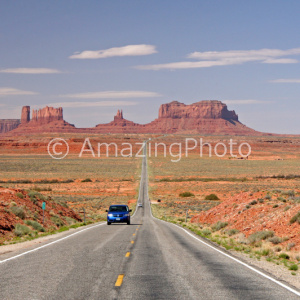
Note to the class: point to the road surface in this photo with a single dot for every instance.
(150, 259)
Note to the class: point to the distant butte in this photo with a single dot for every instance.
(204, 117)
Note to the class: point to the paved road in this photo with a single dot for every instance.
(150, 259)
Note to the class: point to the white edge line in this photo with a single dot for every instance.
(59, 240)
(54, 242)
(233, 258)
(229, 256)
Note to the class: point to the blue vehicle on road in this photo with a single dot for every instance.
(118, 214)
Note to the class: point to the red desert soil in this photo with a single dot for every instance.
(261, 216)
(32, 209)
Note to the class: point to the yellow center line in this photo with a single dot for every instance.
(132, 242)
(134, 234)
(119, 280)
(137, 229)
(127, 254)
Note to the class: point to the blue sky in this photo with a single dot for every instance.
(94, 57)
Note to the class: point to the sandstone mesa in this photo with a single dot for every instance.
(203, 117)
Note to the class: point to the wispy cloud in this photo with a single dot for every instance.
(6, 91)
(129, 50)
(93, 104)
(30, 71)
(295, 80)
(231, 57)
(113, 95)
(246, 101)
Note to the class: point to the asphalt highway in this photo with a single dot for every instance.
(149, 259)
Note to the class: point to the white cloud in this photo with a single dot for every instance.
(231, 57)
(184, 65)
(30, 71)
(285, 80)
(246, 101)
(6, 91)
(113, 95)
(129, 50)
(281, 61)
(92, 104)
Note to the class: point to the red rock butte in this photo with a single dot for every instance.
(204, 117)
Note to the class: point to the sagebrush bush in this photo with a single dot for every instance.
(284, 256)
(18, 211)
(20, 195)
(21, 230)
(293, 267)
(232, 231)
(219, 225)
(37, 226)
(57, 221)
(295, 218)
(212, 197)
(87, 180)
(260, 235)
(186, 194)
(206, 232)
(275, 240)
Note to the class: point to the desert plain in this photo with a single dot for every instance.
(246, 204)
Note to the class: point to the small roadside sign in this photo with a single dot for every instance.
(44, 205)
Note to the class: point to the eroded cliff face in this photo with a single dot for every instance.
(7, 125)
(25, 115)
(200, 110)
(203, 117)
(47, 115)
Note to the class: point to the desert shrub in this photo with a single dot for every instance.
(13, 203)
(293, 267)
(186, 194)
(232, 231)
(206, 232)
(284, 256)
(57, 221)
(265, 252)
(268, 197)
(260, 200)
(18, 211)
(275, 240)
(295, 218)
(275, 205)
(290, 246)
(70, 221)
(35, 225)
(260, 235)
(287, 208)
(87, 180)
(290, 193)
(253, 202)
(20, 195)
(296, 199)
(21, 230)
(212, 197)
(219, 225)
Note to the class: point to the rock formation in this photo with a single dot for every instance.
(47, 115)
(119, 115)
(200, 110)
(7, 125)
(25, 116)
(203, 117)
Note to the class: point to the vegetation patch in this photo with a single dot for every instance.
(186, 194)
(212, 197)
(21, 230)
